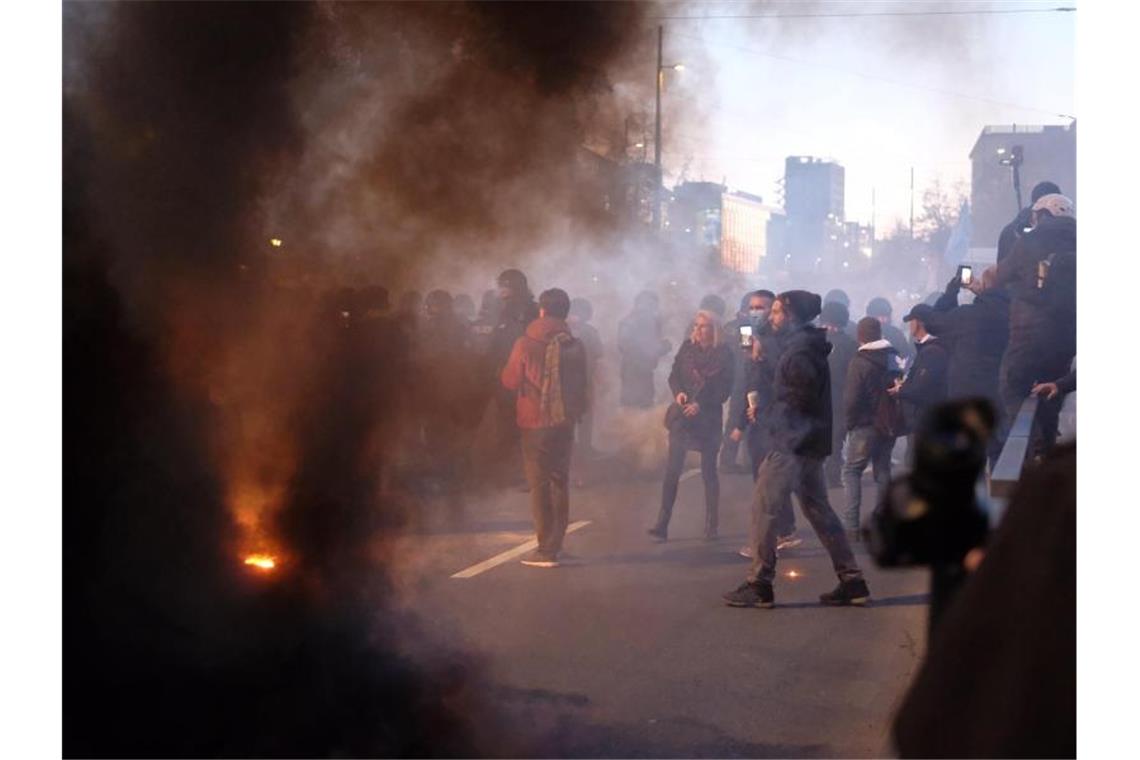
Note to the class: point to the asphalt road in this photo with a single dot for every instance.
(628, 650)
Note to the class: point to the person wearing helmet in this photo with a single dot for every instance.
(1040, 273)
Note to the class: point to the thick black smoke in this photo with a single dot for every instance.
(198, 368)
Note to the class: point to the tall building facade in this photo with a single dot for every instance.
(1046, 153)
(813, 201)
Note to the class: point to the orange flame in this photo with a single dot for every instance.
(261, 561)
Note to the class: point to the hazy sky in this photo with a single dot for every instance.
(816, 86)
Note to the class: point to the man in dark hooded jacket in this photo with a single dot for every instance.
(835, 318)
(872, 371)
(800, 425)
(1042, 316)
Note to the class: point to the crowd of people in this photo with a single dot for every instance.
(808, 396)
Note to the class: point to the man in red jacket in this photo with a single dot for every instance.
(547, 373)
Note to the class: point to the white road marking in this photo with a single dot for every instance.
(510, 554)
(689, 474)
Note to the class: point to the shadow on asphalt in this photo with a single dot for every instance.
(906, 600)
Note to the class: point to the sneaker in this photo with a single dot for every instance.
(848, 592)
(747, 594)
(540, 559)
(789, 541)
(746, 552)
(658, 535)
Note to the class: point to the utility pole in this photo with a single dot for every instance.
(657, 180)
(912, 204)
(872, 222)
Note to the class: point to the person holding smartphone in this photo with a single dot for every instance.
(750, 323)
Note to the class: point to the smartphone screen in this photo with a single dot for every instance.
(746, 336)
(965, 274)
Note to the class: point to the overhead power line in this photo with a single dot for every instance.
(885, 80)
(983, 12)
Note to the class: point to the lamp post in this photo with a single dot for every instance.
(659, 178)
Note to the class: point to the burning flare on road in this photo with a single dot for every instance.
(261, 561)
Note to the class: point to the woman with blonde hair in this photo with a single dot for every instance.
(701, 382)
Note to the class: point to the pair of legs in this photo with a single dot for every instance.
(833, 465)
(865, 445)
(546, 459)
(781, 475)
(757, 451)
(678, 448)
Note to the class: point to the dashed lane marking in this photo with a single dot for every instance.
(510, 554)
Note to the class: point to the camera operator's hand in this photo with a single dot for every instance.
(682, 399)
(751, 412)
(691, 410)
(736, 435)
(1044, 390)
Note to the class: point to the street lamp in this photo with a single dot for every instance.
(661, 68)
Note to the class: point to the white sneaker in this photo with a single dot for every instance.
(788, 542)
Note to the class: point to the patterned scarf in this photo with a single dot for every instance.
(552, 409)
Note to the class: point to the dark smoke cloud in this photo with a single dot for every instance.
(205, 400)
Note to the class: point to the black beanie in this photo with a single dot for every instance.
(834, 314)
(803, 305)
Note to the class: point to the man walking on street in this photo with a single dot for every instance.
(872, 371)
(547, 373)
(801, 439)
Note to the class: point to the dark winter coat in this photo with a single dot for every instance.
(975, 335)
(925, 383)
(703, 431)
(843, 350)
(873, 369)
(1033, 327)
(513, 321)
(641, 346)
(800, 419)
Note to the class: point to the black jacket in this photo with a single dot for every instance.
(843, 350)
(800, 418)
(641, 346)
(873, 369)
(925, 384)
(1032, 325)
(704, 430)
(975, 335)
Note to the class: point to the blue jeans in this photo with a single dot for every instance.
(781, 475)
(865, 445)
